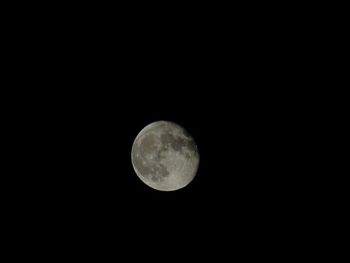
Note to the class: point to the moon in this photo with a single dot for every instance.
(165, 156)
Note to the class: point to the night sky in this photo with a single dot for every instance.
(93, 91)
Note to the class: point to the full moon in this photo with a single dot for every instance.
(165, 156)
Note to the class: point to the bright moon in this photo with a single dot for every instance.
(164, 156)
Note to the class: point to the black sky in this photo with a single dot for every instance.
(93, 88)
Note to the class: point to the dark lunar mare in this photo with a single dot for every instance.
(177, 143)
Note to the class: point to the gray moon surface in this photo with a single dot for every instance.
(165, 156)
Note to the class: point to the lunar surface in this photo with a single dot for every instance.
(165, 156)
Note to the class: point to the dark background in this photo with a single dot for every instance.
(86, 86)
